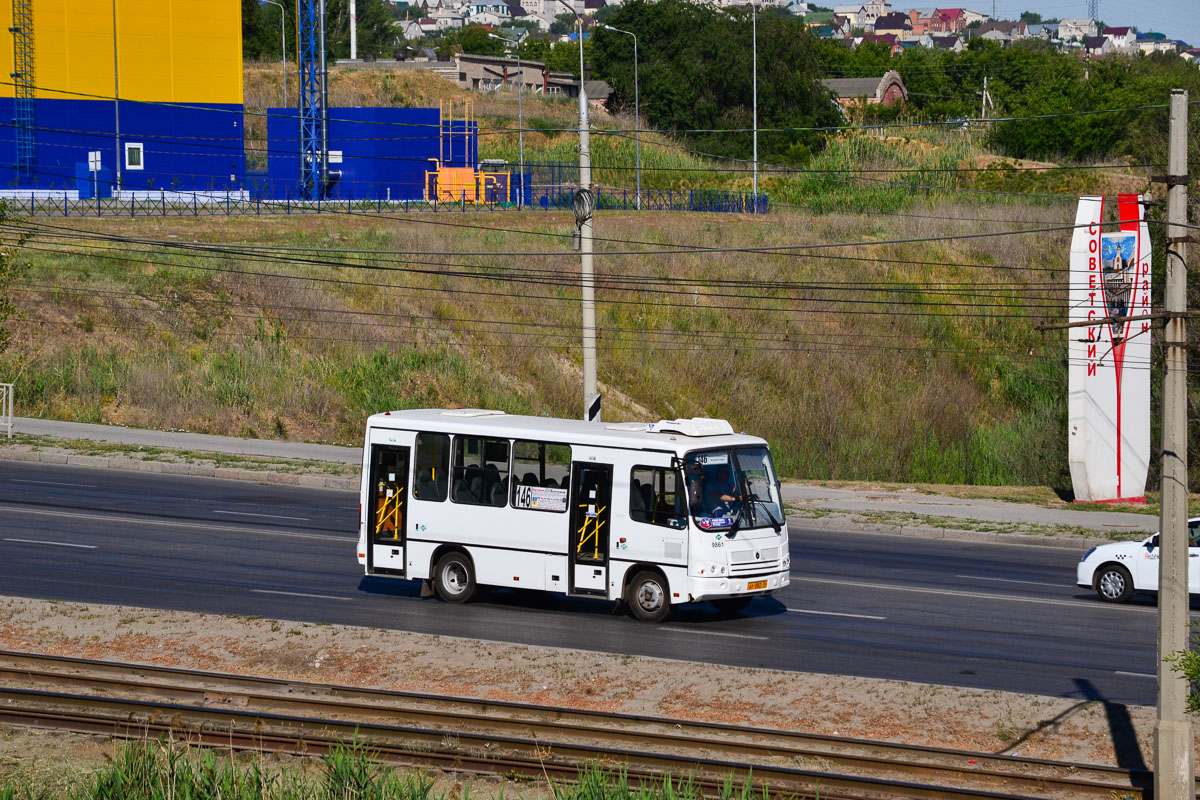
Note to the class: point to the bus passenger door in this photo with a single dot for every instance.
(590, 514)
(389, 509)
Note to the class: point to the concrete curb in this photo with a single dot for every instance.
(833, 522)
(311, 481)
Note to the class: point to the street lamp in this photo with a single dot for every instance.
(520, 115)
(637, 125)
(754, 39)
(584, 205)
(282, 43)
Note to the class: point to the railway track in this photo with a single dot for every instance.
(495, 737)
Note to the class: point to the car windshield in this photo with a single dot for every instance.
(723, 484)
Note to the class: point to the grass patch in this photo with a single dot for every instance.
(161, 770)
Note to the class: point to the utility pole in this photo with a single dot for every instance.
(583, 206)
(1173, 772)
(986, 100)
(353, 30)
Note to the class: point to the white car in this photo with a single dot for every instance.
(1119, 569)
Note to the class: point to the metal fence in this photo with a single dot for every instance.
(6, 408)
(545, 198)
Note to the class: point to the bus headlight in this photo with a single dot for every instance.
(787, 561)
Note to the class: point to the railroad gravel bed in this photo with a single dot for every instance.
(979, 720)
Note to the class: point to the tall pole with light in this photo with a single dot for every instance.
(282, 42)
(637, 124)
(583, 206)
(754, 69)
(520, 115)
(116, 101)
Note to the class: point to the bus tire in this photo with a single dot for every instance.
(454, 577)
(648, 596)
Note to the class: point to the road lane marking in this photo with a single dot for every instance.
(56, 544)
(978, 595)
(1136, 674)
(717, 633)
(269, 516)
(166, 524)
(55, 483)
(301, 594)
(833, 613)
(1008, 580)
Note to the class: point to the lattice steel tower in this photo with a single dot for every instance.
(310, 34)
(22, 75)
(1093, 7)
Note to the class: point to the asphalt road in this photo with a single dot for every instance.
(983, 615)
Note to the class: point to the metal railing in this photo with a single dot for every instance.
(238, 204)
(6, 407)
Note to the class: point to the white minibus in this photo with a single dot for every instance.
(651, 514)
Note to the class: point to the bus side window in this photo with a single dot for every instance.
(540, 476)
(656, 497)
(432, 467)
(480, 473)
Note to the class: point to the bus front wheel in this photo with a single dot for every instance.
(454, 578)
(648, 598)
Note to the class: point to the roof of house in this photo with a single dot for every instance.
(922, 13)
(1116, 31)
(597, 90)
(945, 42)
(885, 38)
(852, 9)
(517, 11)
(819, 18)
(949, 13)
(851, 88)
(893, 21)
(1095, 42)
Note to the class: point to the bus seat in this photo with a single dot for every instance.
(462, 492)
(637, 504)
(529, 479)
(498, 494)
(426, 488)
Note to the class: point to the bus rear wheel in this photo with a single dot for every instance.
(647, 597)
(454, 578)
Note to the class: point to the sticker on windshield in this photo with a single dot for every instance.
(712, 458)
(714, 522)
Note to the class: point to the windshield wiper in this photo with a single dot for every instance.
(776, 524)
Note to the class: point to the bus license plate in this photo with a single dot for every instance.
(752, 585)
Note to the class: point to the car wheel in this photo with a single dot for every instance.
(732, 605)
(1113, 584)
(647, 597)
(454, 578)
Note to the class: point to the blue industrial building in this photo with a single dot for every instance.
(162, 147)
(374, 152)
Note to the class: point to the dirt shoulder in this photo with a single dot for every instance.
(979, 720)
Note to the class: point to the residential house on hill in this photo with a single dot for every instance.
(1097, 46)
(1076, 30)
(947, 20)
(971, 17)
(1123, 40)
(952, 43)
(854, 13)
(896, 23)
(919, 19)
(886, 90)
(1151, 42)
(1191, 54)
(1011, 30)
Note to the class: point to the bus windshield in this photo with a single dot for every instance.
(725, 484)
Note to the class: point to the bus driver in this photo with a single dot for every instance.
(721, 491)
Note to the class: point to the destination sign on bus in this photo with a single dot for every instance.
(542, 498)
